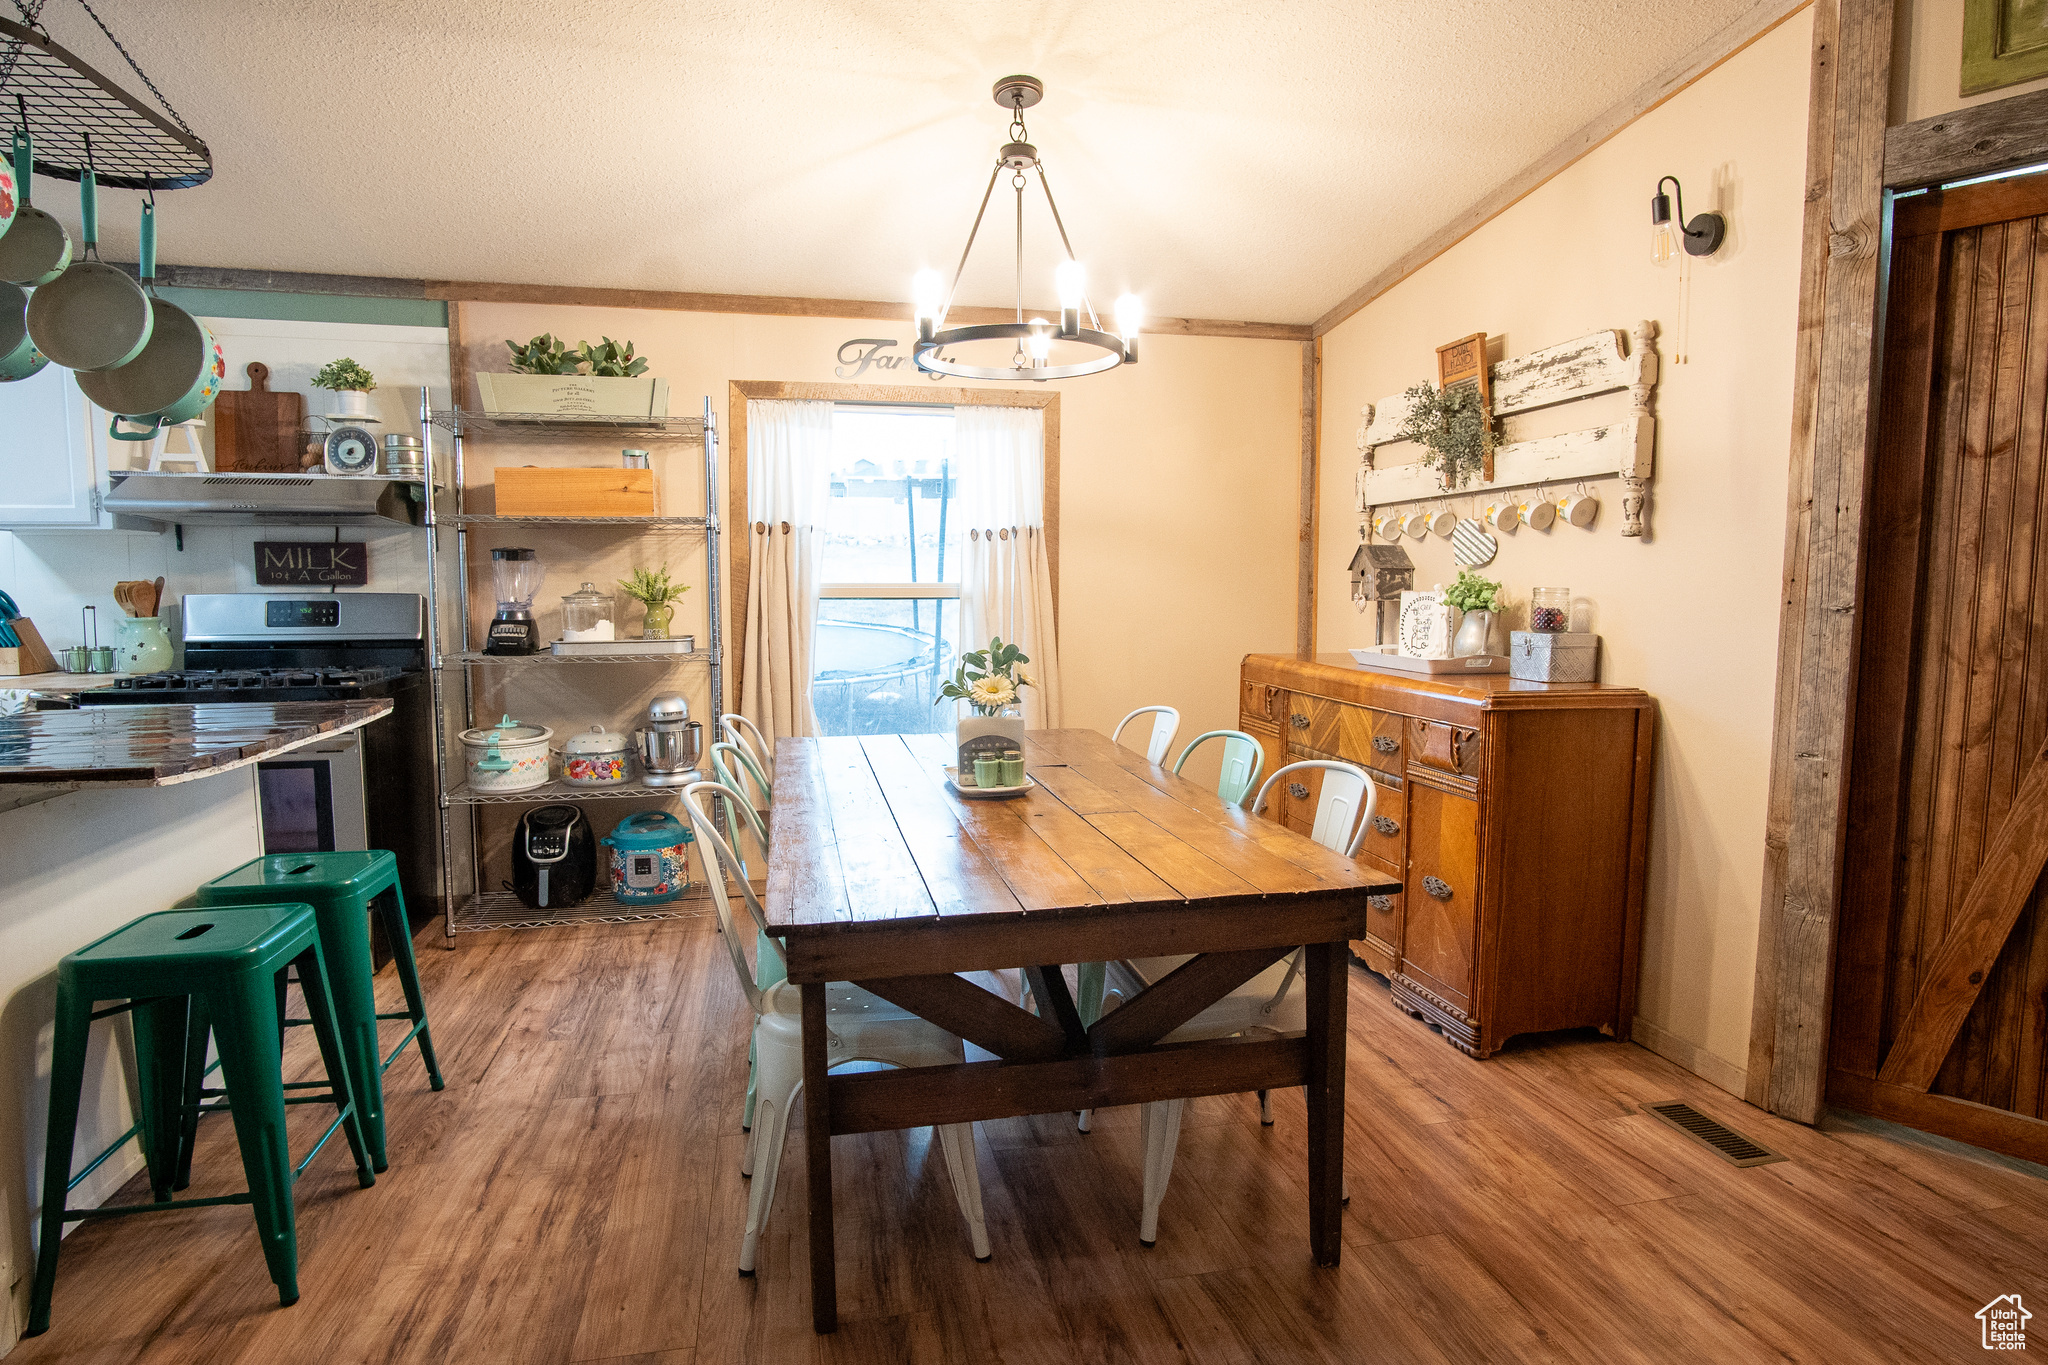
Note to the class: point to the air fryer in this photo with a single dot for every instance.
(554, 858)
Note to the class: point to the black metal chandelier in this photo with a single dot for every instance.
(1034, 336)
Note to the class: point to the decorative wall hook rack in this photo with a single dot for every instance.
(1572, 370)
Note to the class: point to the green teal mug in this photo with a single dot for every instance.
(19, 357)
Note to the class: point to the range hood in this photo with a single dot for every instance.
(159, 500)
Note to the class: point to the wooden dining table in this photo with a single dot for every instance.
(883, 875)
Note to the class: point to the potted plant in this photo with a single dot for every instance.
(653, 590)
(1479, 599)
(350, 383)
(551, 379)
(1453, 428)
(989, 681)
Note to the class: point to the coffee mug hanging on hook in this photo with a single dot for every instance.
(1538, 512)
(1443, 520)
(1580, 508)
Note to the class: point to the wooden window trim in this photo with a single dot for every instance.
(741, 392)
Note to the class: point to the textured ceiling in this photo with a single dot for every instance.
(1224, 160)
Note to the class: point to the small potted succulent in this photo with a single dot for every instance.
(350, 384)
(652, 589)
(552, 379)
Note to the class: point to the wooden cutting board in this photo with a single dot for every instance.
(255, 430)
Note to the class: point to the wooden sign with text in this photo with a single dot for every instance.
(322, 563)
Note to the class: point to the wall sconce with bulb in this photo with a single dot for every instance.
(1702, 236)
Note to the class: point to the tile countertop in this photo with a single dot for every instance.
(155, 746)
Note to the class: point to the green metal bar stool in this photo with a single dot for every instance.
(219, 963)
(344, 889)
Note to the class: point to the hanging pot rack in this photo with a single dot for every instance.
(67, 102)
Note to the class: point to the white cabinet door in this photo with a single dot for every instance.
(46, 457)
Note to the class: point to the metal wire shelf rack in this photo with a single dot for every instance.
(469, 657)
(467, 421)
(647, 523)
(488, 910)
(463, 795)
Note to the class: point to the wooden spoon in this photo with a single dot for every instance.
(156, 598)
(121, 596)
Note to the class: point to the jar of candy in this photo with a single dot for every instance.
(1550, 610)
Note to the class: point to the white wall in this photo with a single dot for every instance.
(1690, 613)
(53, 574)
(1927, 63)
(64, 881)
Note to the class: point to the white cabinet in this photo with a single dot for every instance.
(49, 476)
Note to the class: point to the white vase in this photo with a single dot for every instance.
(350, 403)
(974, 734)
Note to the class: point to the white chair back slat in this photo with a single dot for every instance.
(1165, 725)
(1342, 809)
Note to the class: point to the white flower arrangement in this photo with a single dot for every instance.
(988, 679)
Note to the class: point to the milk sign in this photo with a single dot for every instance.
(314, 563)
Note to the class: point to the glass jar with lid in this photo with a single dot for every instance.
(587, 614)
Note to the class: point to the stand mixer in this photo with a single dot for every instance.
(515, 578)
(669, 744)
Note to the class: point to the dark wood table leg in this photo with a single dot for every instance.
(1328, 994)
(818, 1150)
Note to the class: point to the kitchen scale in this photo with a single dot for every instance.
(350, 446)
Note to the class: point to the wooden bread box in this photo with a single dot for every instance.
(538, 491)
(1516, 815)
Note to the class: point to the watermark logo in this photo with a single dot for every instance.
(2005, 1323)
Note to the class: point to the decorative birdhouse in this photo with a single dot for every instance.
(1379, 575)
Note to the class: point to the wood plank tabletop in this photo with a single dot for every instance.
(867, 832)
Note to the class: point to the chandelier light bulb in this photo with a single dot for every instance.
(1040, 342)
(928, 295)
(1130, 316)
(1072, 278)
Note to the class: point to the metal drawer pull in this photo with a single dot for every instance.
(1438, 887)
(1298, 721)
(1386, 825)
(1386, 744)
(1297, 791)
(1381, 903)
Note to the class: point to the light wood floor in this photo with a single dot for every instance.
(574, 1195)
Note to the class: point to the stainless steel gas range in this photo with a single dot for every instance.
(372, 788)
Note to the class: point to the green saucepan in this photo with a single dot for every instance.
(10, 192)
(92, 317)
(19, 357)
(36, 249)
(178, 373)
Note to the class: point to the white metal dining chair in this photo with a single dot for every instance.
(1243, 756)
(1269, 1003)
(735, 728)
(1165, 725)
(863, 1028)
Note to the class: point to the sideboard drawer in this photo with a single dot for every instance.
(1359, 734)
(1383, 923)
(1451, 749)
(1386, 833)
(1440, 940)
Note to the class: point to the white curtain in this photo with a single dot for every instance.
(1006, 578)
(789, 459)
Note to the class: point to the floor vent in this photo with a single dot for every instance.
(1731, 1145)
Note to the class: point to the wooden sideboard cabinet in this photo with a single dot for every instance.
(1516, 817)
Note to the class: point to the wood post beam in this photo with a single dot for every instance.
(1834, 381)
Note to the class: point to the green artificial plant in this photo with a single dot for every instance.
(1472, 593)
(1453, 429)
(344, 375)
(652, 587)
(543, 355)
(612, 360)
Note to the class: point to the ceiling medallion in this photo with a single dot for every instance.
(1033, 337)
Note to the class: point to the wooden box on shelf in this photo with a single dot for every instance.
(534, 491)
(1516, 817)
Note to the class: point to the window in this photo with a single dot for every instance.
(889, 609)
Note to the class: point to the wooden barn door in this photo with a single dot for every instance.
(1940, 1013)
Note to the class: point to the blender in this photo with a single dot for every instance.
(516, 576)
